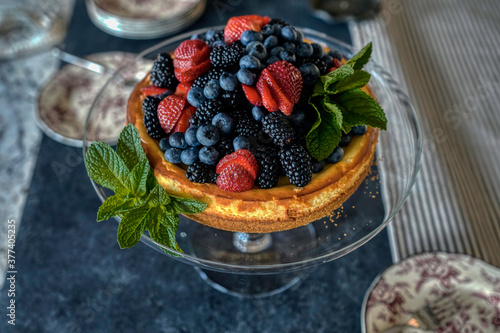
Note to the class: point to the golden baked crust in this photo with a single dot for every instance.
(262, 210)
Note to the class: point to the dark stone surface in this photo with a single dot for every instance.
(72, 276)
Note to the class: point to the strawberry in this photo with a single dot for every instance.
(183, 88)
(236, 25)
(169, 111)
(152, 90)
(194, 50)
(183, 122)
(187, 75)
(234, 178)
(252, 95)
(242, 157)
(279, 86)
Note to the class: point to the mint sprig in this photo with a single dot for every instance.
(340, 105)
(141, 203)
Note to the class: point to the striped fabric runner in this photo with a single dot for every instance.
(446, 54)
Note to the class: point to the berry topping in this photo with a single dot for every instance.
(162, 72)
(196, 96)
(169, 111)
(243, 158)
(183, 89)
(269, 167)
(252, 95)
(235, 178)
(202, 80)
(199, 172)
(278, 128)
(336, 156)
(183, 122)
(209, 155)
(153, 127)
(191, 60)
(296, 163)
(191, 73)
(238, 24)
(208, 135)
(152, 90)
(205, 112)
(226, 56)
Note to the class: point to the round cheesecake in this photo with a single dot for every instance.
(261, 210)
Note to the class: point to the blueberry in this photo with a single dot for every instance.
(177, 140)
(335, 54)
(297, 118)
(241, 142)
(228, 81)
(208, 155)
(317, 166)
(275, 51)
(190, 136)
(271, 42)
(223, 122)
(257, 49)
(212, 89)
(198, 36)
(164, 145)
(173, 155)
(277, 29)
(345, 140)
(304, 50)
(288, 56)
(190, 155)
(210, 34)
(267, 30)
(249, 62)
(258, 113)
(356, 130)
(336, 156)
(218, 43)
(272, 59)
(195, 96)
(318, 51)
(310, 74)
(300, 36)
(328, 60)
(246, 76)
(289, 33)
(289, 46)
(249, 36)
(208, 135)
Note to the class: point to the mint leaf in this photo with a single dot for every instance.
(361, 58)
(138, 177)
(106, 168)
(326, 132)
(115, 205)
(163, 231)
(129, 146)
(359, 108)
(151, 181)
(158, 196)
(187, 205)
(132, 226)
(358, 79)
(331, 79)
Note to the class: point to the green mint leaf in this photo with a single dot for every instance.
(359, 108)
(129, 146)
(158, 196)
(187, 205)
(326, 132)
(151, 182)
(163, 230)
(361, 58)
(106, 168)
(116, 205)
(132, 226)
(138, 177)
(331, 79)
(358, 79)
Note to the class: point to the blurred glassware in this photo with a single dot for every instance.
(146, 18)
(344, 10)
(29, 26)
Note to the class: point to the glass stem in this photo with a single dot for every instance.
(251, 243)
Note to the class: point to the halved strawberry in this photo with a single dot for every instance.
(252, 95)
(236, 25)
(152, 90)
(242, 157)
(234, 178)
(268, 100)
(194, 50)
(183, 88)
(169, 111)
(183, 122)
(187, 75)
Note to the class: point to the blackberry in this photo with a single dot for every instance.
(247, 127)
(269, 167)
(205, 112)
(225, 146)
(150, 106)
(278, 128)
(162, 72)
(199, 172)
(296, 163)
(226, 56)
(202, 80)
(278, 21)
(240, 114)
(323, 69)
(234, 99)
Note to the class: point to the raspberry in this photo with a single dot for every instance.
(153, 127)
(226, 56)
(278, 128)
(269, 167)
(206, 112)
(162, 72)
(199, 172)
(296, 163)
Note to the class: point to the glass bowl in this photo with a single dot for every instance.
(282, 255)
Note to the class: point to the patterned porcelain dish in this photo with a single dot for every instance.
(64, 102)
(422, 279)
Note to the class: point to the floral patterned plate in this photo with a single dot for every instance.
(418, 280)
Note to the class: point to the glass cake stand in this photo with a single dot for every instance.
(263, 264)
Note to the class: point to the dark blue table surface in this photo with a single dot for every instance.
(72, 276)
